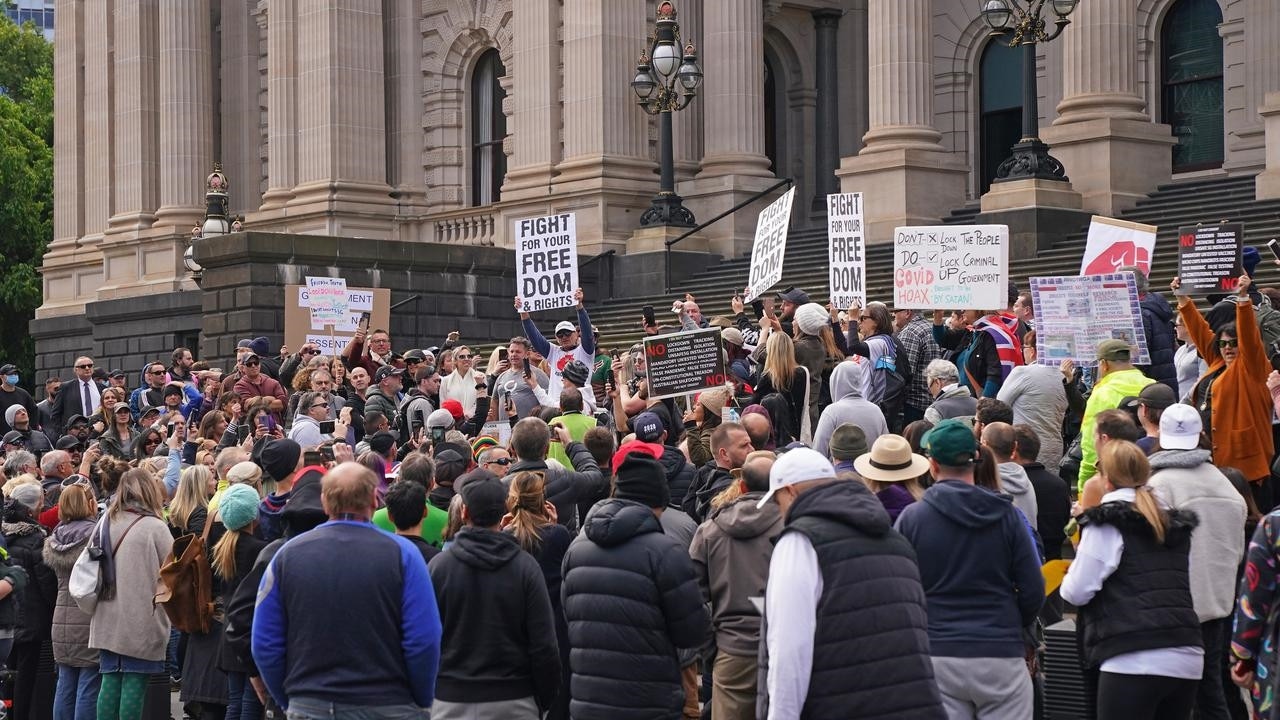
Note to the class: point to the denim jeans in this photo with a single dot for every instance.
(77, 695)
(308, 709)
(242, 701)
(172, 658)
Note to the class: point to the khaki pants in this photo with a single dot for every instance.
(691, 679)
(733, 687)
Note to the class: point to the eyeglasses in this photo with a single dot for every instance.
(1228, 343)
(499, 461)
(85, 367)
(252, 364)
(151, 372)
(323, 405)
(463, 357)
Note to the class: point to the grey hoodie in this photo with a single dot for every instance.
(849, 407)
(1015, 483)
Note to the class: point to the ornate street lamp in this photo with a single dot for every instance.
(217, 217)
(666, 80)
(1021, 23)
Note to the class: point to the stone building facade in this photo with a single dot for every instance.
(442, 121)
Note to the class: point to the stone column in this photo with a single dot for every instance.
(733, 63)
(68, 125)
(405, 137)
(1246, 147)
(535, 116)
(136, 169)
(240, 134)
(98, 118)
(904, 173)
(1103, 135)
(282, 103)
(827, 130)
(1268, 182)
(186, 117)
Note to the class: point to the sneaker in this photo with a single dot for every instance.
(175, 684)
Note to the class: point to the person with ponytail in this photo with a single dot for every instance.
(233, 556)
(1132, 583)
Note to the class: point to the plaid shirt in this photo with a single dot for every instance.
(917, 340)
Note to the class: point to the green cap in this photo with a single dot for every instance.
(951, 443)
(1114, 350)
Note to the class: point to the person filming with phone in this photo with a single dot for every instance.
(312, 425)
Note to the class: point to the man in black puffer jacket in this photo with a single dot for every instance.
(565, 488)
(631, 600)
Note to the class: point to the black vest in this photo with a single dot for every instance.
(1146, 603)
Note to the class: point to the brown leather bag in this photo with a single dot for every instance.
(186, 582)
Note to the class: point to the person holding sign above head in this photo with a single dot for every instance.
(572, 343)
(1232, 398)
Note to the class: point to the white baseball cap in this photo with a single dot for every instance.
(1180, 428)
(797, 466)
(565, 325)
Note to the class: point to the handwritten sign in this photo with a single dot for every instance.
(547, 261)
(1074, 314)
(949, 267)
(1114, 244)
(1209, 257)
(846, 253)
(770, 246)
(685, 362)
(299, 329)
(327, 299)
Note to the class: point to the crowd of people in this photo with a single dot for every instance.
(854, 525)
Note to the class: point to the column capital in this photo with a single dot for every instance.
(827, 17)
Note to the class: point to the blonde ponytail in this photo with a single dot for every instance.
(224, 554)
(1146, 504)
(1124, 465)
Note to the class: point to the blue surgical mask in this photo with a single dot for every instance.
(11, 379)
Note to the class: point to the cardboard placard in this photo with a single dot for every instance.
(685, 362)
(847, 250)
(1074, 314)
(327, 300)
(1209, 257)
(298, 328)
(1113, 244)
(769, 247)
(546, 261)
(951, 267)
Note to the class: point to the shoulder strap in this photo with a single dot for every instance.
(123, 535)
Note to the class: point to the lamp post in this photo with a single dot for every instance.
(666, 81)
(1021, 23)
(217, 217)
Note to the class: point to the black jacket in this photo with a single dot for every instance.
(1157, 325)
(871, 640)
(37, 600)
(631, 599)
(499, 640)
(680, 473)
(566, 488)
(248, 548)
(1053, 508)
(709, 481)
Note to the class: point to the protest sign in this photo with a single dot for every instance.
(948, 267)
(546, 262)
(1113, 244)
(299, 328)
(769, 247)
(1209, 257)
(1074, 314)
(684, 362)
(328, 301)
(500, 431)
(847, 259)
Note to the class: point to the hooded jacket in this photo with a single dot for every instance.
(680, 473)
(70, 623)
(849, 407)
(631, 599)
(499, 638)
(375, 399)
(1015, 483)
(708, 482)
(1187, 480)
(565, 487)
(731, 552)
(1157, 325)
(979, 567)
(25, 539)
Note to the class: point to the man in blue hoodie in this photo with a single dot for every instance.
(981, 577)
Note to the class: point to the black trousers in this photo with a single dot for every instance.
(34, 681)
(1145, 697)
(1211, 699)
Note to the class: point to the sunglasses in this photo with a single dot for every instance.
(85, 367)
(499, 461)
(151, 372)
(1228, 343)
(463, 357)
(252, 364)
(412, 361)
(564, 333)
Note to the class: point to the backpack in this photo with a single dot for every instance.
(894, 372)
(186, 582)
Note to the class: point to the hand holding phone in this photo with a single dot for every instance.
(326, 427)
(528, 369)
(1274, 246)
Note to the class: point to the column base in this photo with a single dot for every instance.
(1030, 193)
(1113, 162)
(903, 186)
(1268, 183)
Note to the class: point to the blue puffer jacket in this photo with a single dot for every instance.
(1157, 324)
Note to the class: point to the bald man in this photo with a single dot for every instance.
(375, 642)
(759, 429)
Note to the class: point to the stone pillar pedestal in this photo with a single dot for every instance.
(1268, 182)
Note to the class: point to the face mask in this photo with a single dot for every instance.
(11, 379)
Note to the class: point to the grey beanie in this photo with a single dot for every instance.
(11, 412)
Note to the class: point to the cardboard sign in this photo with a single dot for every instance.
(299, 329)
(951, 267)
(327, 299)
(684, 363)
(846, 253)
(1074, 314)
(1114, 244)
(546, 262)
(1209, 257)
(769, 247)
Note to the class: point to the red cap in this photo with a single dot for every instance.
(454, 407)
(635, 446)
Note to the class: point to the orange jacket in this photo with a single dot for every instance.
(1241, 405)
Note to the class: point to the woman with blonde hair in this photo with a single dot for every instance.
(783, 375)
(128, 628)
(189, 507)
(76, 695)
(1130, 580)
(232, 558)
(104, 418)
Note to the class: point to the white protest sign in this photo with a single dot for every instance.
(546, 262)
(770, 246)
(848, 261)
(1113, 244)
(358, 303)
(327, 299)
(951, 267)
(1074, 314)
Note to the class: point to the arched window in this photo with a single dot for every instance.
(771, 105)
(488, 128)
(1191, 78)
(1000, 91)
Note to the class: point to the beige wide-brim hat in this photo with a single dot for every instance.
(891, 460)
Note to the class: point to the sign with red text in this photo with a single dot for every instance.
(1209, 257)
(546, 262)
(769, 247)
(685, 362)
(847, 250)
(327, 299)
(951, 267)
(1115, 244)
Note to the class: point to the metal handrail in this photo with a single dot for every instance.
(607, 272)
(788, 182)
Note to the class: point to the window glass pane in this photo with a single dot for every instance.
(1001, 77)
(488, 128)
(1191, 55)
(1195, 114)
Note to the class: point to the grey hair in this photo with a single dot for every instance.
(51, 460)
(943, 370)
(16, 461)
(1139, 277)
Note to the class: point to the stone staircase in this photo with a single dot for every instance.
(1172, 205)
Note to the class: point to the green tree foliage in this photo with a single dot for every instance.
(26, 183)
